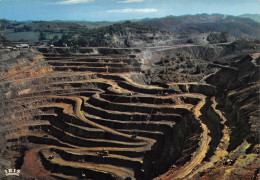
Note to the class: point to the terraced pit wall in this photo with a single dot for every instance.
(84, 118)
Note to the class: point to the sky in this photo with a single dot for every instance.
(117, 10)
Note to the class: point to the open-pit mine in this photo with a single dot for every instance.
(165, 112)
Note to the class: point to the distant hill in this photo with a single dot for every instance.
(201, 23)
(33, 25)
(119, 35)
(52, 25)
(34, 31)
(94, 24)
(255, 17)
(133, 33)
(44, 25)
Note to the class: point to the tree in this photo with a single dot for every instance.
(219, 37)
(27, 28)
(55, 38)
(43, 36)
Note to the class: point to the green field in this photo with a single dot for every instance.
(23, 36)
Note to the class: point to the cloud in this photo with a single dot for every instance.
(131, 1)
(73, 1)
(132, 10)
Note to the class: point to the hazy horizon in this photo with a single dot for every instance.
(69, 20)
(119, 10)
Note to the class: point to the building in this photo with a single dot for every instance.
(22, 46)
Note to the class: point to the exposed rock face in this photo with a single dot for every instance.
(91, 115)
(240, 104)
(241, 100)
